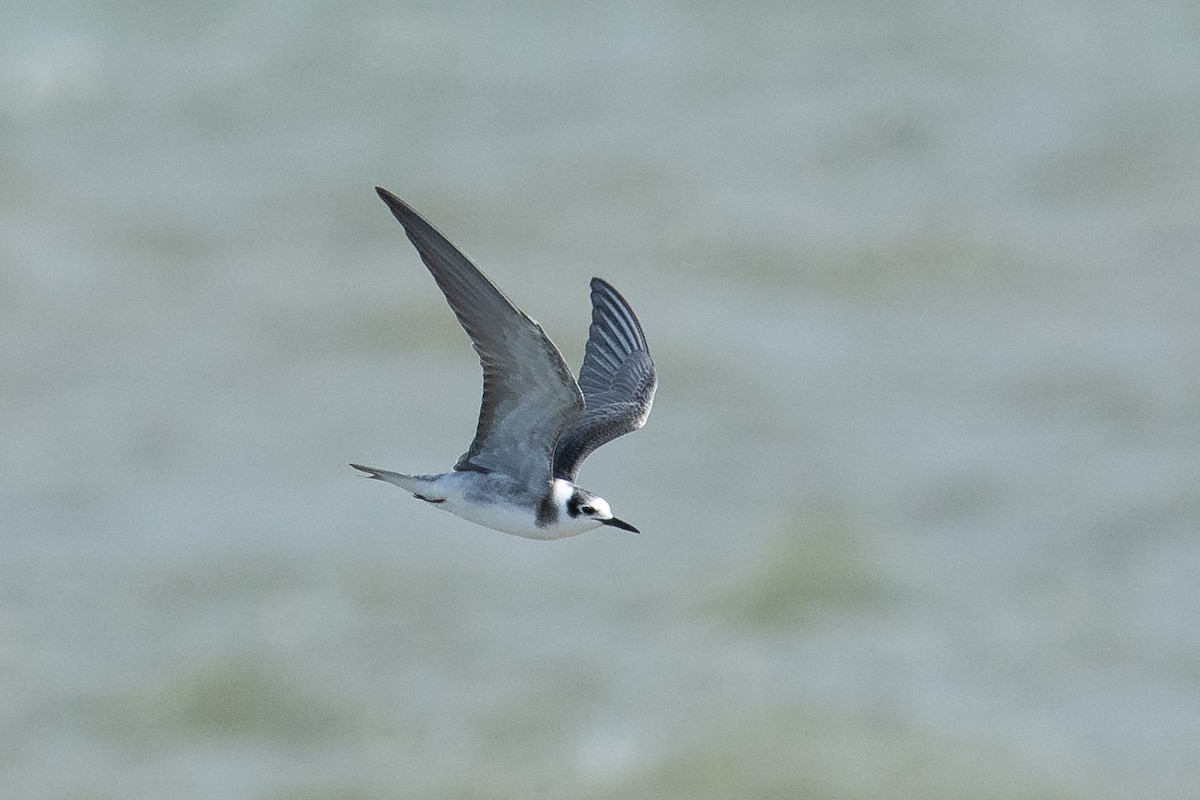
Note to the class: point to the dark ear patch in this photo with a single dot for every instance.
(574, 504)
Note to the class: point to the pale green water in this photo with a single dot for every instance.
(920, 495)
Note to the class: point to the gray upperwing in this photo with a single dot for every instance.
(617, 379)
(529, 395)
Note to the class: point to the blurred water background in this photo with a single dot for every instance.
(921, 492)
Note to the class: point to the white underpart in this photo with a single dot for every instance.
(487, 499)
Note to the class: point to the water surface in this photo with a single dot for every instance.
(919, 494)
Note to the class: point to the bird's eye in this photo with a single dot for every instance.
(587, 510)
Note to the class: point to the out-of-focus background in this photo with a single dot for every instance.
(920, 496)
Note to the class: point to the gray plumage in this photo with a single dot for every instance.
(617, 379)
(535, 422)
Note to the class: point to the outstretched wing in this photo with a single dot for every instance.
(617, 379)
(529, 395)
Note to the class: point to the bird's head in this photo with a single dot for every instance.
(583, 505)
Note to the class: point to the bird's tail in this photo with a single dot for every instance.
(422, 486)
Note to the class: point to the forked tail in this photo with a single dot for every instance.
(422, 487)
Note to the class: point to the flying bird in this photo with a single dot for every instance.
(536, 423)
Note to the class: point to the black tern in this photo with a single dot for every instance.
(536, 423)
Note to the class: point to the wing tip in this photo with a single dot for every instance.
(398, 207)
(599, 285)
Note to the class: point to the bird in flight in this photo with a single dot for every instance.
(537, 423)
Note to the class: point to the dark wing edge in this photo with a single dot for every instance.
(617, 378)
(495, 326)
